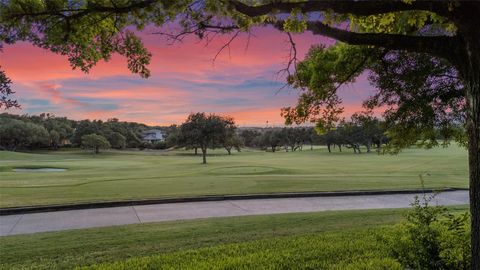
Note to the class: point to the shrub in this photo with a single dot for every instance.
(431, 238)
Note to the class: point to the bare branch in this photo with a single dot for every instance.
(226, 45)
(291, 62)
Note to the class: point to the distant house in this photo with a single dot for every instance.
(153, 136)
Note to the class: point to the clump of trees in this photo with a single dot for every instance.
(289, 138)
(18, 132)
(202, 131)
(119, 134)
(363, 130)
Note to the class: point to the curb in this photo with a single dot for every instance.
(208, 198)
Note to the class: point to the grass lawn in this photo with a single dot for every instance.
(310, 238)
(117, 175)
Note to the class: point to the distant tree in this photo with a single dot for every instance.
(85, 127)
(60, 128)
(250, 137)
(191, 132)
(272, 139)
(205, 131)
(232, 140)
(313, 137)
(117, 140)
(95, 142)
(353, 136)
(54, 139)
(16, 134)
(173, 137)
(130, 130)
(334, 137)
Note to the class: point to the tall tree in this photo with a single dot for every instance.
(89, 31)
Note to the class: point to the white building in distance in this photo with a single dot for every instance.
(153, 136)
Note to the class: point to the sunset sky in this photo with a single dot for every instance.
(242, 82)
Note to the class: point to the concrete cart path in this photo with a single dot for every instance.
(101, 217)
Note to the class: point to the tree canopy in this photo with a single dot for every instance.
(95, 142)
(207, 131)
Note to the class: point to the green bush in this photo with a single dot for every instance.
(431, 238)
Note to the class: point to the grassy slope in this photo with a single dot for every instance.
(129, 175)
(351, 250)
(63, 250)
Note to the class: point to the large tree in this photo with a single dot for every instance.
(206, 131)
(89, 31)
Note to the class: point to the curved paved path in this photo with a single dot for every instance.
(88, 218)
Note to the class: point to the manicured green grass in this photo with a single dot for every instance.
(119, 175)
(357, 249)
(83, 247)
(352, 230)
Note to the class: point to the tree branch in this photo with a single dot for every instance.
(92, 8)
(441, 46)
(360, 8)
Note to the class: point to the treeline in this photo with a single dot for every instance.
(362, 130)
(201, 131)
(48, 131)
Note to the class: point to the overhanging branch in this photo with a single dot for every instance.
(441, 46)
(360, 8)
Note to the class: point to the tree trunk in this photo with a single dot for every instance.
(468, 64)
(329, 150)
(340, 147)
(473, 129)
(204, 155)
(196, 151)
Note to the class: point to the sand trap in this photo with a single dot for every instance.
(39, 170)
